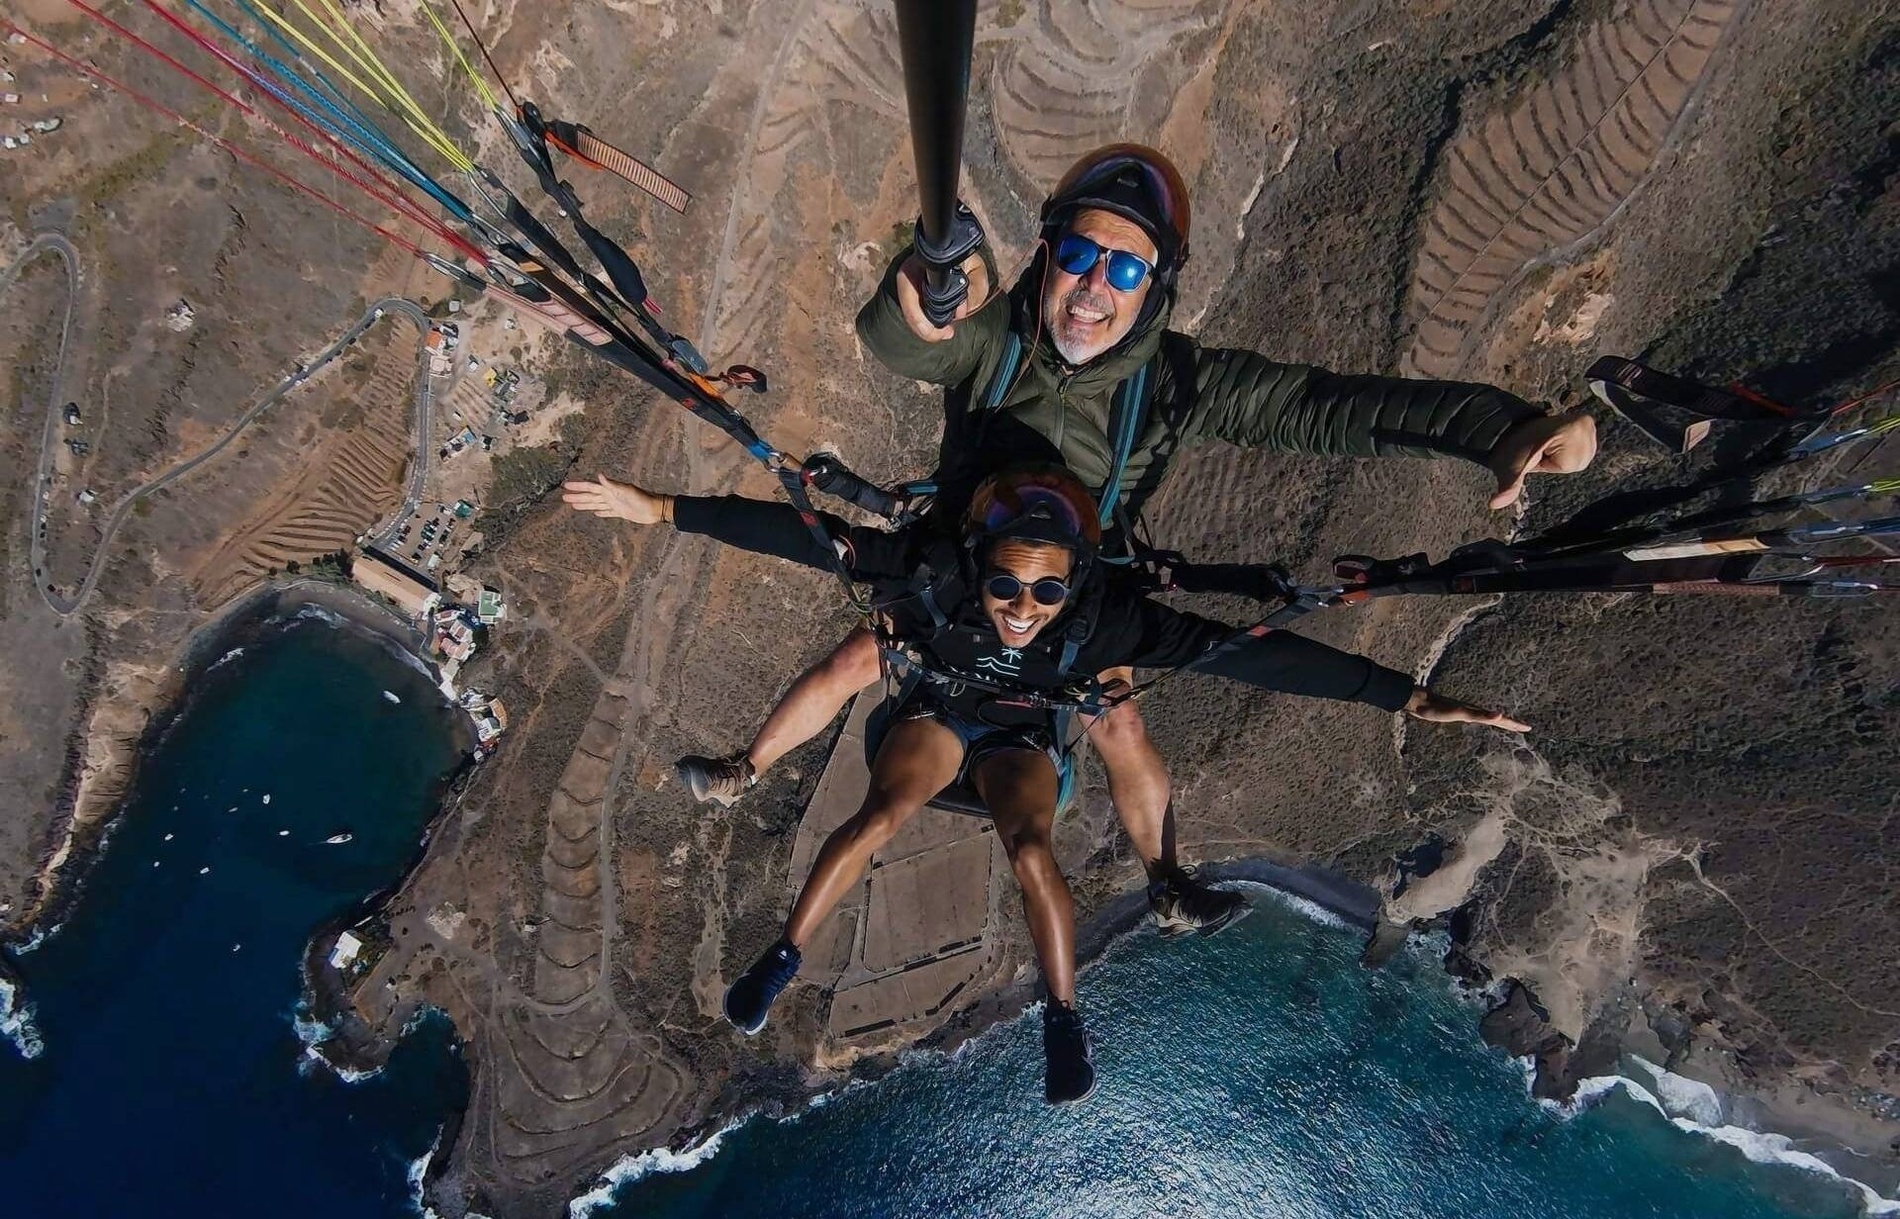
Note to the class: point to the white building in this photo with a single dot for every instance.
(347, 946)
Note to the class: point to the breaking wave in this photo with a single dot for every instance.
(315, 1034)
(317, 613)
(632, 1168)
(225, 659)
(16, 1021)
(418, 1177)
(1696, 1108)
(664, 1160)
(1308, 909)
(36, 941)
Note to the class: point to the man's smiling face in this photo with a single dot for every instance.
(1021, 618)
(1084, 315)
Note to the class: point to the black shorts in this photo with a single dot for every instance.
(981, 740)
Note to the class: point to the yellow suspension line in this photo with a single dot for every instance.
(391, 96)
(341, 24)
(448, 40)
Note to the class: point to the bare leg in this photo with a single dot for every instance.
(815, 698)
(918, 759)
(1019, 787)
(1137, 780)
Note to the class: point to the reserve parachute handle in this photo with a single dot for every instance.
(935, 38)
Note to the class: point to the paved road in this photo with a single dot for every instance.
(418, 469)
(64, 606)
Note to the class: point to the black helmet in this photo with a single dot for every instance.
(1036, 503)
(1136, 183)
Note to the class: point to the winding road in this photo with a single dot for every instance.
(49, 436)
(64, 606)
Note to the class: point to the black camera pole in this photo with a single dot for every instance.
(935, 38)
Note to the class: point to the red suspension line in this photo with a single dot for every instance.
(220, 141)
(385, 191)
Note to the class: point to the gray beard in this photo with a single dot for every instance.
(1070, 355)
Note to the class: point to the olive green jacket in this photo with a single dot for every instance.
(1055, 413)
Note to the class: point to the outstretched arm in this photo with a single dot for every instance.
(1247, 399)
(1157, 636)
(748, 524)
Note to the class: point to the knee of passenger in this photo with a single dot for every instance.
(1028, 850)
(1119, 728)
(855, 663)
(875, 825)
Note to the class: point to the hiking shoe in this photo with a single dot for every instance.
(720, 780)
(1068, 1067)
(1183, 903)
(750, 998)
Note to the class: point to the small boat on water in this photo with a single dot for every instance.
(337, 840)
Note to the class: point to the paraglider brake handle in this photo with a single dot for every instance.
(945, 284)
(829, 474)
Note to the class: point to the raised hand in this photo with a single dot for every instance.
(910, 279)
(619, 501)
(1437, 709)
(1548, 444)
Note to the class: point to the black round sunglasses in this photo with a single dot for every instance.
(1046, 591)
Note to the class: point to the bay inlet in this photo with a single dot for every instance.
(169, 1077)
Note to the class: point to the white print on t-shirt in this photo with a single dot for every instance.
(1009, 663)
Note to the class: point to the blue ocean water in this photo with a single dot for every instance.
(1260, 1073)
(1263, 1072)
(171, 1081)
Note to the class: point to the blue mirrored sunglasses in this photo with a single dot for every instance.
(1048, 591)
(1076, 254)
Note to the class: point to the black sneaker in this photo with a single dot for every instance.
(1183, 903)
(1068, 1068)
(719, 780)
(750, 998)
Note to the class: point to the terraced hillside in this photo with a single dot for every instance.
(350, 480)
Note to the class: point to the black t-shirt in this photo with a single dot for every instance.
(1122, 628)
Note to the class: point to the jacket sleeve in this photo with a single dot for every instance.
(885, 334)
(1156, 636)
(776, 529)
(1246, 399)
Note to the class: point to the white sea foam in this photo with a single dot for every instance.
(418, 1176)
(1695, 1108)
(311, 1032)
(1312, 911)
(634, 1167)
(314, 1058)
(415, 662)
(391, 696)
(225, 659)
(1764, 1148)
(16, 1022)
(1681, 1096)
(314, 1034)
(37, 941)
(318, 613)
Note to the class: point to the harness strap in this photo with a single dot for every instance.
(1131, 405)
(901, 663)
(1636, 392)
(1130, 412)
(1005, 375)
(1070, 647)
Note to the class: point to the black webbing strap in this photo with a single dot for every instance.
(1646, 397)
